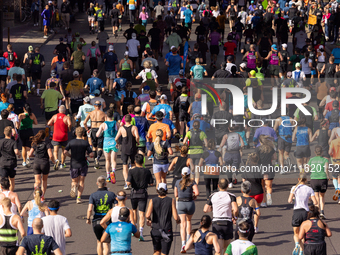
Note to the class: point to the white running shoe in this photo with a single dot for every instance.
(263, 204)
(256, 230)
(269, 199)
(230, 186)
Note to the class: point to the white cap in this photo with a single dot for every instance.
(126, 53)
(162, 186)
(87, 99)
(321, 47)
(110, 47)
(185, 171)
(163, 111)
(243, 65)
(133, 36)
(75, 74)
(50, 2)
(178, 84)
(284, 45)
(164, 97)
(172, 47)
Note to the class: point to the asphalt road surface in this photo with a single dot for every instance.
(275, 232)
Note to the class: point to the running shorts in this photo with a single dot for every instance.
(325, 152)
(186, 207)
(114, 22)
(99, 231)
(133, 59)
(319, 185)
(258, 198)
(4, 78)
(76, 172)
(110, 145)
(232, 159)
(223, 229)
(299, 216)
(8, 171)
(97, 142)
(25, 136)
(274, 70)
(49, 115)
(60, 144)
(139, 203)
(36, 76)
(315, 249)
(75, 106)
(183, 116)
(159, 244)
(214, 49)
(125, 158)
(160, 168)
(41, 167)
(302, 151)
(283, 145)
(80, 71)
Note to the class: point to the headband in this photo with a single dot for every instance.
(243, 231)
(53, 209)
(121, 197)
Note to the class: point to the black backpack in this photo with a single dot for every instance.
(334, 118)
(195, 139)
(128, 100)
(184, 104)
(10, 56)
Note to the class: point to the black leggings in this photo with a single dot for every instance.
(35, 16)
(208, 182)
(93, 64)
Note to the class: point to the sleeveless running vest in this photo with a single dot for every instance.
(323, 138)
(181, 162)
(34, 213)
(251, 59)
(126, 66)
(26, 123)
(245, 211)
(201, 246)
(129, 142)
(59, 67)
(162, 214)
(259, 73)
(315, 235)
(8, 233)
(195, 140)
(110, 132)
(115, 213)
(14, 208)
(286, 132)
(211, 159)
(274, 59)
(60, 129)
(302, 137)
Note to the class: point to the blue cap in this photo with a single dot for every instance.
(96, 92)
(274, 46)
(146, 88)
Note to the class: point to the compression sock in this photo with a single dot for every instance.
(183, 243)
(113, 170)
(141, 231)
(297, 244)
(100, 153)
(29, 85)
(95, 154)
(335, 183)
(188, 236)
(322, 212)
(107, 175)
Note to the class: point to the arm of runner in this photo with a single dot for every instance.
(104, 236)
(290, 198)
(172, 164)
(23, 212)
(86, 120)
(303, 230)
(316, 134)
(100, 130)
(196, 191)
(174, 212)
(148, 213)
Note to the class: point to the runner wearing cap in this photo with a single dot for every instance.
(101, 202)
(143, 126)
(126, 65)
(97, 97)
(128, 97)
(252, 57)
(62, 49)
(160, 211)
(148, 107)
(83, 111)
(94, 83)
(147, 69)
(120, 233)
(274, 57)
(289, 82)
(182, 103)
(54, 79)
(108, 130)
(151, 135)
(97, 117)
(75, 90)
(144, 96)
(298, 75)
(132, 46)
(174, 63)
(224, 208)
(285, 58)
(110, 59)
(62, 124)
(333, 116)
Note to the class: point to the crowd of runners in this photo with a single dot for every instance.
(94, 119)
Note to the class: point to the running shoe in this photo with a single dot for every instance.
(141, 239)
(256, 230)
(269, 199)
(56, 165)
(336, 195)
(263, 204)
(183, 249)
(110, 95)
(29, 92)
(296, 250)
(108, 179)
(230, 185)
(234, 179)
(126, 186)
(73, 191)
(113, 177)
(96, 163)
(45, 36)
(79, 200)
(322, 216)
(150, 158)
(24, 164)
(62, 166)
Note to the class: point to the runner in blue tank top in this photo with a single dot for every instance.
(303, 135)
(109, 127)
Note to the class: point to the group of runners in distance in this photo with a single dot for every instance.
(93, 122)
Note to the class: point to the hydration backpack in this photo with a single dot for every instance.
(195, 139)
(10, 56)
(128, 100)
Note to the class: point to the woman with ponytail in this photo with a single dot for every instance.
(202, 239)
(160, 150)
(42, 151)
(186, 191)
(35, 208)
(26, 121)
(302, 194)
(313, 231)
(266, 154)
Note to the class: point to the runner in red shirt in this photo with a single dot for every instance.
(11, 56)
(229, 48)
(62, 124)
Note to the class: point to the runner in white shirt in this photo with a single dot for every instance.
(224, 208)
(56, 226)
(302, 193)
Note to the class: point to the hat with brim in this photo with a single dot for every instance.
(124, 214)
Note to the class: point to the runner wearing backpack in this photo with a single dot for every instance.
(93, 53)
(37, 62)
(182, 102)
(298, 75)
(4, 63)
(58, 66)
(128, 98)
(148, 107)
(10, 55)
(27, 67)
(232, 11)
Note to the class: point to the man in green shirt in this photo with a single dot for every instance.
(173, 40)
(319, 176)
(49, 101)
(296, 58)
(78, 57)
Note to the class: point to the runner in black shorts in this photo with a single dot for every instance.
(43, 152)
(139, 178)
(9, 151)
